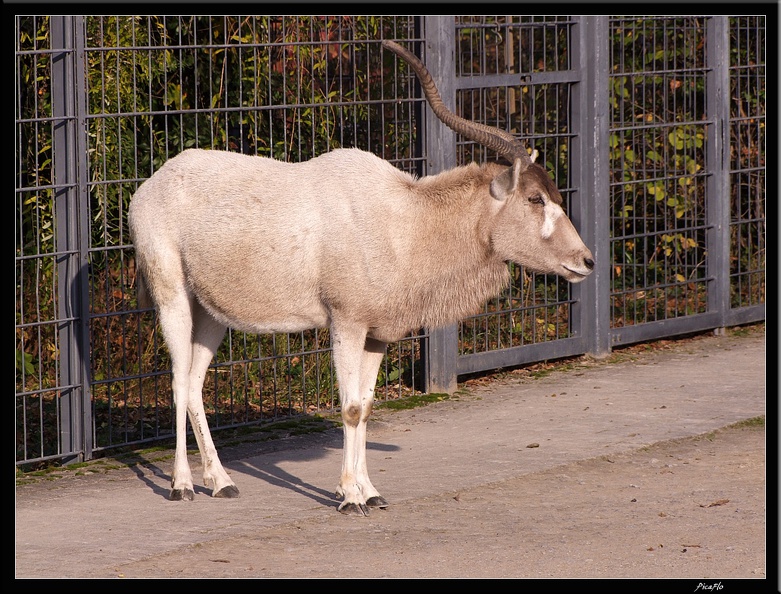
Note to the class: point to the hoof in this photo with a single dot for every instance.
(229, 492)
(354, 509)
(377, 502)
(181, 495)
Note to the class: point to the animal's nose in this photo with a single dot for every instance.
(589, 263)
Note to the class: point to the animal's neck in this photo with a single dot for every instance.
(460, 270)
(457, 294)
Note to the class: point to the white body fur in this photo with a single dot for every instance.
(345, 241)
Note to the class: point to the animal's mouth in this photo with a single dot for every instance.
(575, 276)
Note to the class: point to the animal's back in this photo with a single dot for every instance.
(265, 244)
(200, 187)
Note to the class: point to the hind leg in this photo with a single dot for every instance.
(207, 336)
(176, 323)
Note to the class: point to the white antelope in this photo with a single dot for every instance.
(345, 241)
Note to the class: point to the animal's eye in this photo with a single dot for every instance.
(536, 199)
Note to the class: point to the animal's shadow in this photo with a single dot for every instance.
(266, 459)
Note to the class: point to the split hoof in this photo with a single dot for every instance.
(377, 502)
(182, 495)
(354, 509)
(229, 492)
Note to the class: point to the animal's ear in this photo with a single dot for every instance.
(504, 184)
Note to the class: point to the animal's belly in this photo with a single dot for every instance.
(263, 317)
(261, 304)
(389, 334)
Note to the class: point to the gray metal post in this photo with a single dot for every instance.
(440, 36)
(718, 156)
(592, 176)
(69, 150)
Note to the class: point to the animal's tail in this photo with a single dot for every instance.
(142, 294)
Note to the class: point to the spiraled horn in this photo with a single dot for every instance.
(495, 139)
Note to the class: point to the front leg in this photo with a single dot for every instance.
(357, 360)
(355, 488)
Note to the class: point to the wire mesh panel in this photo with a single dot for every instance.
(657, 157)
(531, 100)
(38, 315)
(284, 87)
(747, 160)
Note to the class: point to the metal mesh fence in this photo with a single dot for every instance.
(534, 308)
(103, 101)
(284, 87)
(39, 311)
(747, 160)
(658, 121)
